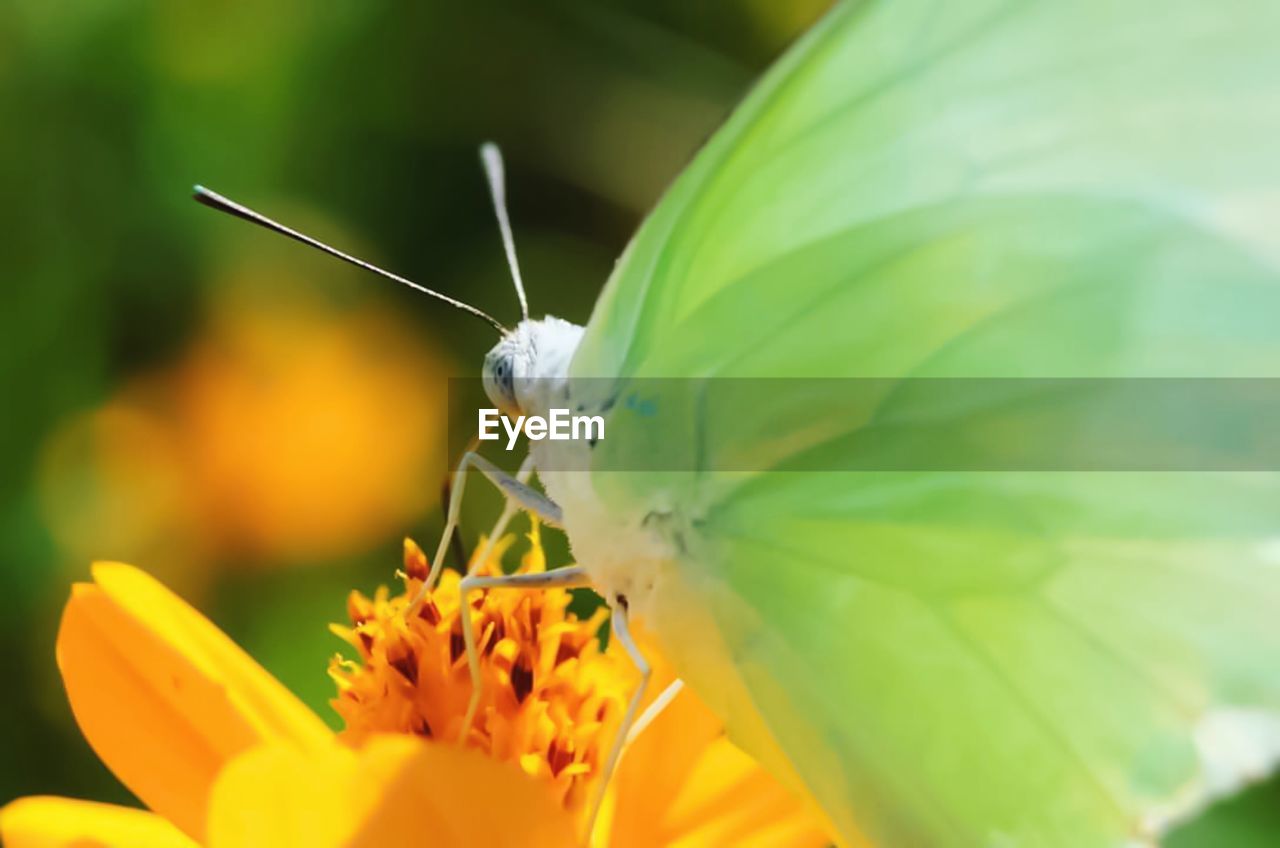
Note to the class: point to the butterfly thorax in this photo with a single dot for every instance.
(527, 373)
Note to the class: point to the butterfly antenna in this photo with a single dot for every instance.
(491, 156)
(216, 201)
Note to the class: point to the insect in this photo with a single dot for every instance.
(988, 189)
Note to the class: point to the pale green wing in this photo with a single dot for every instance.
(972, 189)
(891, 124)
(961, 659)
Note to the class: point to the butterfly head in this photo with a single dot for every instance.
(526, 360)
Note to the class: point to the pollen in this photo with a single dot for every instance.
(551, 698)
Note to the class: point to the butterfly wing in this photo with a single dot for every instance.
(986, 189)
(881, 136)
(956, 659)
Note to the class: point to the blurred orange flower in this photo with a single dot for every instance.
(290, 428)
(224, 755)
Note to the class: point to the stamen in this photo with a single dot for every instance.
(407, 665)
(457, 646)
(551, 698)
(428, 611)
(522, 679)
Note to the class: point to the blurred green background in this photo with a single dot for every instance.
(250, 421)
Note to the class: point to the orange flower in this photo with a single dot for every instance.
(252, 446)
(276, 403)
(224, 755)
(551, 700)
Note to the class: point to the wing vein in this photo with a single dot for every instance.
(1034, 711)
(1093, 637)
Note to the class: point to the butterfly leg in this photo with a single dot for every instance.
(560, 578)
(622, 632)
(651, 712)
(513, 488)
(509, 509)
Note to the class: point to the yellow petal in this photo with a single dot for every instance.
(682, 783)
(163, 696)
(44, 822)
(395, 790)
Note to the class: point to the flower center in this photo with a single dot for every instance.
(551, 699)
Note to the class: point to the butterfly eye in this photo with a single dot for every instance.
(500, 380)
(502, 376)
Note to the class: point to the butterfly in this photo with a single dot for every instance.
(996, 189)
